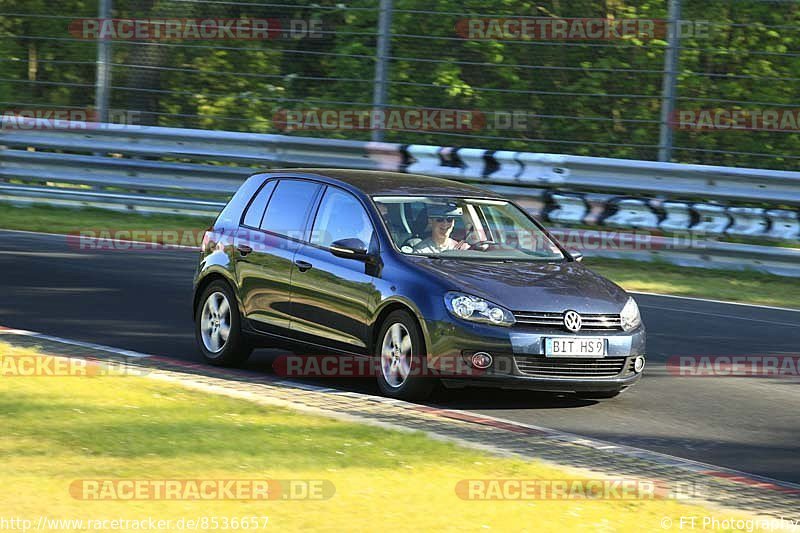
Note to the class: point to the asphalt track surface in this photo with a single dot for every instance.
(141, 300)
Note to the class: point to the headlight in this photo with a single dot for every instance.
(477, 309)
(629, 316)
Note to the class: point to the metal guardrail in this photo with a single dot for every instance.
(685, 250)
(613, 175)
(169, 170)
(721, 255)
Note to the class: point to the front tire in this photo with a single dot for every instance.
(402, 370)
(217, 327)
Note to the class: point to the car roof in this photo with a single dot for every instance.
(382, 183)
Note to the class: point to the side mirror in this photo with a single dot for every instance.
(576, 255)
(350, 249)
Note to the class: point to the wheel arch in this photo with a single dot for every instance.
(390, 307)
(207, 280)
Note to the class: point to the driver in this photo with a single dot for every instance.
(442, 219)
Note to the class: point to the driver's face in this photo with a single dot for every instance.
(442, 227)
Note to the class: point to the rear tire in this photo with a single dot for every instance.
(401, 359)
(218, 327)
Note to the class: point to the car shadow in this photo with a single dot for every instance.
(488, 398)
(451, 398)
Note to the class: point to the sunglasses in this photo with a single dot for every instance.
(443, 219)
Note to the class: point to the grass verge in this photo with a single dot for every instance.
(737, 286)
(57, 430)
(64, 220)
(734, 286)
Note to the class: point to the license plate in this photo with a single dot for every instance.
(575, 347)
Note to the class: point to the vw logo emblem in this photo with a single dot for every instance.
(572, 321)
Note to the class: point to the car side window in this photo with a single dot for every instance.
(232, 214)
(255, 212)
(341, 216)
(288, 208)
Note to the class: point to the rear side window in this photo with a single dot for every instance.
(288, 208)
(231, 215)
(256, 210)
(341, 216)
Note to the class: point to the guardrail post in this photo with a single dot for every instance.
(669, 83)
(382, 62)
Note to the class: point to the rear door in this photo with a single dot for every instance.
(333, 298)
(273, 228)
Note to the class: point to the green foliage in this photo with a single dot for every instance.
(598, 98)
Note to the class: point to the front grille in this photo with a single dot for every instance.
(556, 320)
(572, 367)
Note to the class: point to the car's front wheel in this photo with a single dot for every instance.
(218, 327)
(401, 360)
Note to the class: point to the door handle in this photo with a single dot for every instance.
(302, 266)
(244, 249)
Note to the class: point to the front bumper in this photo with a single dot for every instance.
(519, 361)
(545, 384)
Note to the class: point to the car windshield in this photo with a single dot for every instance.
(464, 228)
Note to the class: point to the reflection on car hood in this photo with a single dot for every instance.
(531, 286)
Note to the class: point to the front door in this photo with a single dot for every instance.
(333, 297)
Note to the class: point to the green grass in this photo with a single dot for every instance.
(57, 430)
(734, 286)
(65, 220)
(748, 287)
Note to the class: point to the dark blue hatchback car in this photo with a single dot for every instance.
(424, 278)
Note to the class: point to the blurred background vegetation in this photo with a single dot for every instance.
(597, 98)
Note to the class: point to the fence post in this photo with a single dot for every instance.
(382, 62)
(669, 82)
(103, 77)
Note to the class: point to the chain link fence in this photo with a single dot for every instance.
(580, 77)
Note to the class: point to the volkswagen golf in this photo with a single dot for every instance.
(428, 280)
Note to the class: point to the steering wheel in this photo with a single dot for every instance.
(407, 241)
(482, 245)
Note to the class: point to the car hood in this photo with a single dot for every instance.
(530, 286)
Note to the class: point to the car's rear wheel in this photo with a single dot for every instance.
(401, 359)
(218, 327)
